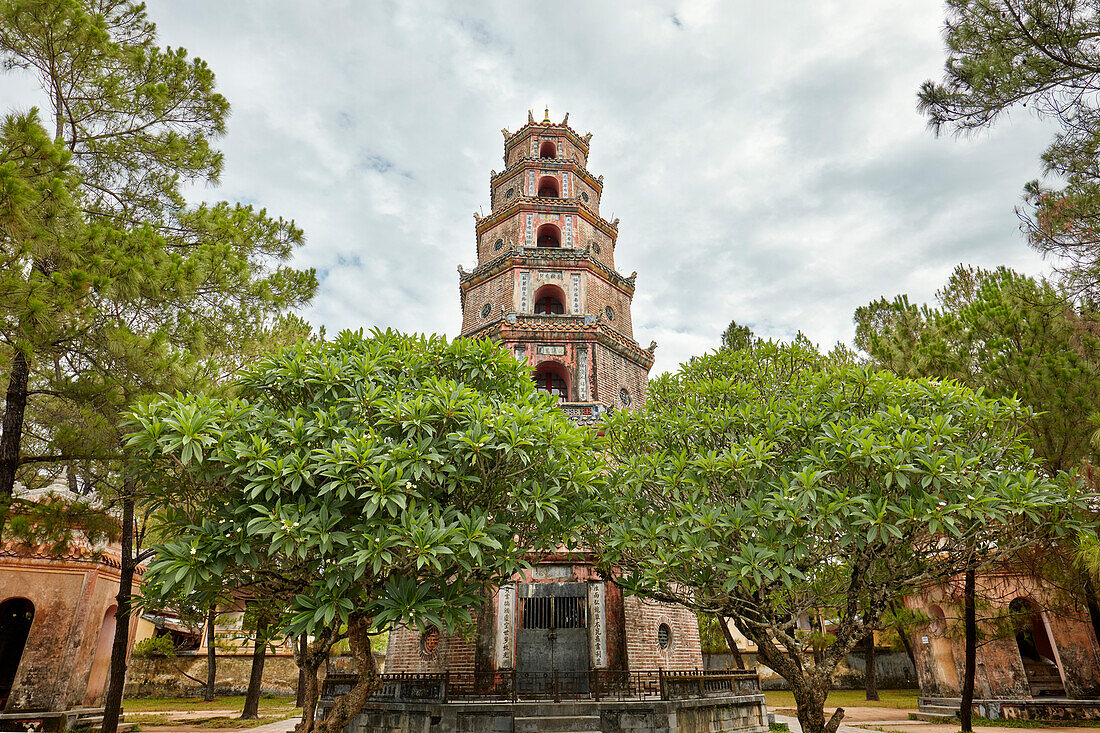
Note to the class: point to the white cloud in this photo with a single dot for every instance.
(766, 159)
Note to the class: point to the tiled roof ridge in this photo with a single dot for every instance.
(598, 180)
(495, 216)
(549, 253)
(520, 322)
(582, 140)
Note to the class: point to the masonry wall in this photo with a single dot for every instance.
(893, 670)
(614, 372)
(167, 676)
(602, 295)
(939, 651)
(643, 651)
(406, 652)
(71, 600)
(497, 292)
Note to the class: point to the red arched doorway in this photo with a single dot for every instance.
(1036, 647)
(548, 149)
(548, 236)
(552, 377)
(549, 188)
(550, 300)
(16, 617)
(101, 662)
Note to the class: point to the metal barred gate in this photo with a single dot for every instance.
(552, 639)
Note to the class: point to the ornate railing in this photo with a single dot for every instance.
(509, 686)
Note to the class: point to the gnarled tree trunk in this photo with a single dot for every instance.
(309, 658)
(347, 706)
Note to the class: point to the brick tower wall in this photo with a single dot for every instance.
(643, 618)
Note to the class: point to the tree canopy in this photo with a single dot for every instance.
(366, 482)
(1007, 334)
(1039, 56)
(771, 484)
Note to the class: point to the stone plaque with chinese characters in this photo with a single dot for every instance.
(506, 619)
(597, 625)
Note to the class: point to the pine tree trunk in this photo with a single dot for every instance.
(255, 680)
(112, 706)
(1093, 606)
(11, 430)
(870, 674)
(731, 643)
(971, 631)
(211, 654)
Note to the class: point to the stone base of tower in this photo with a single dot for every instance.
(559, 617)
(719, 714)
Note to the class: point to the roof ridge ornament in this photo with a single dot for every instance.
(546, 119)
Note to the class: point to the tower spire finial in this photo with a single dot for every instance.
(546, 119)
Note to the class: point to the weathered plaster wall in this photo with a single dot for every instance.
(893, 670)
(71, 598)
(164, 676)
(940, 652)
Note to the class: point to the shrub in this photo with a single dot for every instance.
(153, 647)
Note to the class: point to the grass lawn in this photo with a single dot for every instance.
(850, 699)
(268, 705)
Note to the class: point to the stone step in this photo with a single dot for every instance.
(932, 717)
(556, 724)
(940, 709)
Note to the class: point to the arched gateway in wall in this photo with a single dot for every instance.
(558, 303)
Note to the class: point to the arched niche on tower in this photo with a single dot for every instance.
(549, 187)
(549, 300)
(553, 377)
(548, 235)
(548, 149)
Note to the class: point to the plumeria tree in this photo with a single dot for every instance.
(365, 482)
(771, 484)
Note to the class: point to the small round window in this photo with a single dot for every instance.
(610, 313)
(509, 193)
(499, 245)
(596, 247)
(624, 397)
(584, 196)
(429, 642)
(486, 310)
(664, 636)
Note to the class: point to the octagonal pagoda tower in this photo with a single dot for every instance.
(546, 288)
(545, 285)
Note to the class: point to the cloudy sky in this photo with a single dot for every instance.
(765, 159)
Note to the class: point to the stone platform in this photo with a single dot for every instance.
(504, 702)
(1041, 708)
(730, 714)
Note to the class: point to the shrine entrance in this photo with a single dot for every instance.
(16, 615)
(552, 639)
